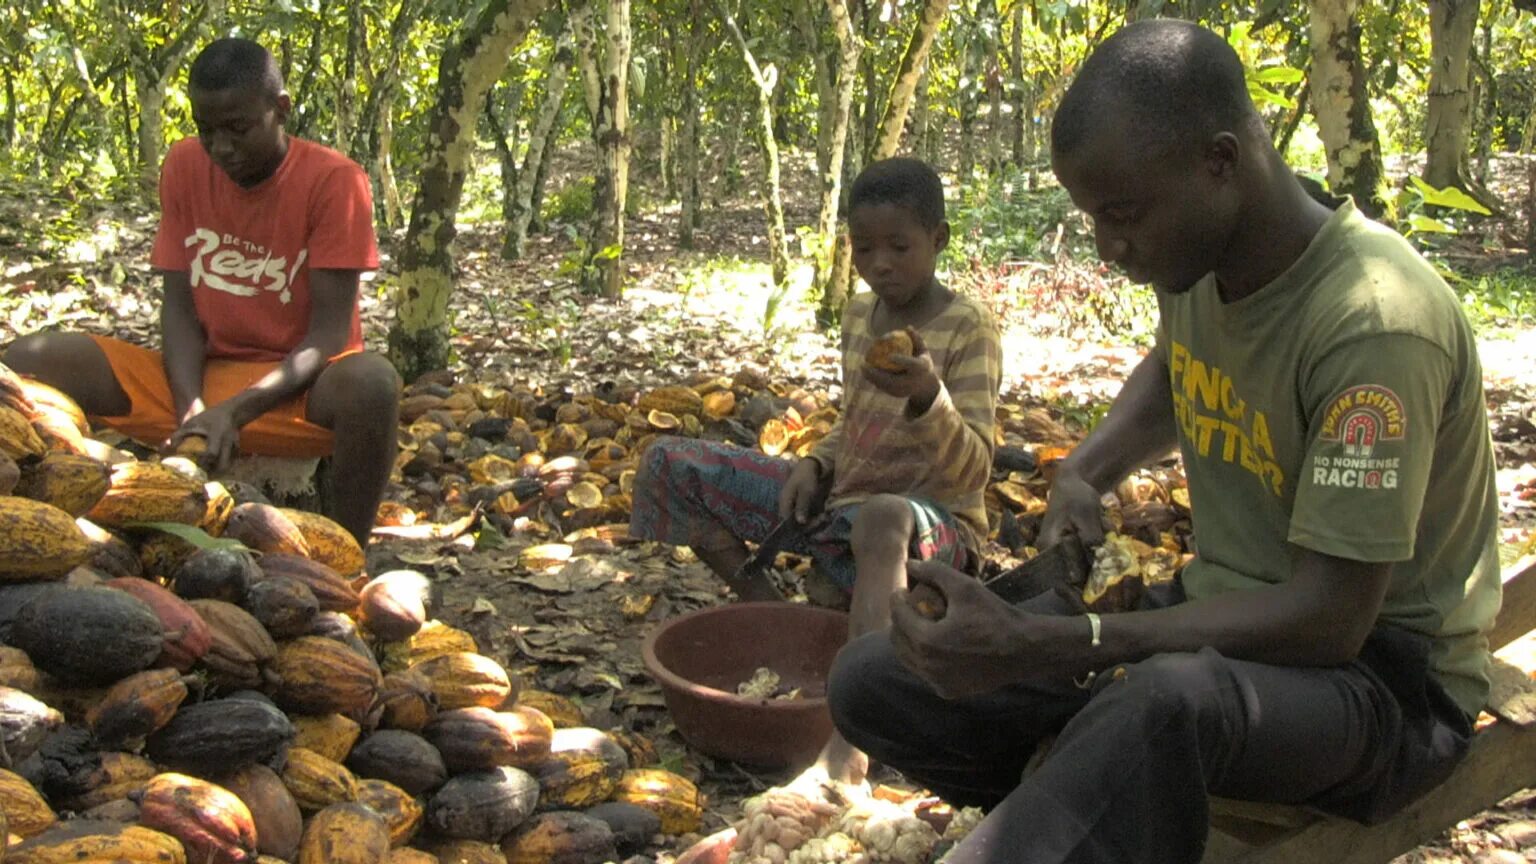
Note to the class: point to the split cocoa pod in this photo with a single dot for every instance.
(897, 343)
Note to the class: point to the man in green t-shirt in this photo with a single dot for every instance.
(1327, 645)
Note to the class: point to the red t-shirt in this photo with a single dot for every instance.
(250, 251)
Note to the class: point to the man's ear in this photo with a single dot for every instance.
(941, 238)
(1222, 154)
(284, 104)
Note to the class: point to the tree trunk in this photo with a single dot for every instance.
(1339, 102)
(967, 93)
(152, 76)
(1452, 24)
(305, 107)
(765, 79)
(384, 166)
(850, 49)
(346, 93)
(1488, 103)
(501, 125)
(584, 35)
(894, 120)
(1019, 87)
(418, 340)
(538, 146)
(922, 123)
(604, 270)
(688, 158)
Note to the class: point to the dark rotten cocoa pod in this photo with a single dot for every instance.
(483, 805)
(216, 574)
(562, 837)
(89, 635)
(187, 637)
(286, 607)
(217, 737)
(402, 758)
(633, 826)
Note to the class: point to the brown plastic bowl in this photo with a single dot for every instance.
(700, 657)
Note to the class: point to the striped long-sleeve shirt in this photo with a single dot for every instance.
(945, 454)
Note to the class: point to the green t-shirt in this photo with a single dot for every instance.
(1340, 409)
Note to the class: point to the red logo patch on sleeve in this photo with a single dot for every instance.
(1363, 416)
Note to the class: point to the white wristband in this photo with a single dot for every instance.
(1095, 625)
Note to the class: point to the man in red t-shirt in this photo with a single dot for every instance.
(262, 241)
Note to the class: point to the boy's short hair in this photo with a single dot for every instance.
(902, 181)
(232, 63)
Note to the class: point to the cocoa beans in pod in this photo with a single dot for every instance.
(464, 680)
(279, 824)
(216, 574)
(266, 529)
(349, 833)
(478, 739)
(561, 837)
(186, 634)
(332, 592)
(315, 781)
(314, 675)
(483, 805)
(212, 823)
(136, 706)
(220, 736)
(403, 758)
(395, 605)
(89, 635)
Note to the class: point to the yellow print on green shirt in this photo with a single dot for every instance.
(1217, 422)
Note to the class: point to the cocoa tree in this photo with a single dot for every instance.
(1340, 103)
(418, 340)
(603, 270)
(1452, 25)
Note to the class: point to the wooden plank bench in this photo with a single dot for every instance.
(1501, 762)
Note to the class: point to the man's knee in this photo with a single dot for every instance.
(883, 521)
(1170, 684)
(361, 383)
(37, 352)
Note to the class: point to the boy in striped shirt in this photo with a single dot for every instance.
(910, 455)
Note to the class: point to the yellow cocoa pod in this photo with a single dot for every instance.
(411, 856)
(330, 735)
(150, 492)
(18, 439)
(468, 852)
(120, 775)
(670, 796)
(91, 841)
(676, 400)
(464, 679)
(329, 543)
(560, 836)
(26, 811)
(317, 782)
(38, 541)
(561, 711)
(434, 639)
(401, 812)
(348, 833)
(71, 483)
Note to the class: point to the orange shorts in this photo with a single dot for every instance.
(283, 431)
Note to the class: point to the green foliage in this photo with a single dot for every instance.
(1002, 218)
(1419, 196)
(1503, 298)
(572, 202)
